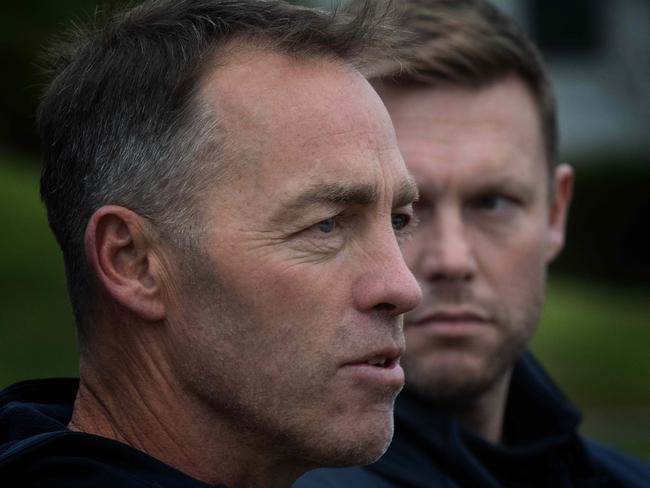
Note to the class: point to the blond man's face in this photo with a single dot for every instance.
(487, 231)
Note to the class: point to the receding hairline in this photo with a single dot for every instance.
(209, 103)
(243, 50)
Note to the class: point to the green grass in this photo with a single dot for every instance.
(593, 338)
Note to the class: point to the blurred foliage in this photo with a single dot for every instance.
(27, 27)
(37, 336)
(593, 337)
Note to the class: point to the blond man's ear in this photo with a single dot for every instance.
(563, 180)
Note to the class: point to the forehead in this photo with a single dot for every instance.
(293, 122)
(495, 129)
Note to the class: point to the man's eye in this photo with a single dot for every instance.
(493, 202)
(422, 209)
(400, 221)
(326, 226)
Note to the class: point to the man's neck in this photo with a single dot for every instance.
(485, 416)
(156, 418)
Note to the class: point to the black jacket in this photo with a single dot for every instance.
(37, 450)
(542, 449)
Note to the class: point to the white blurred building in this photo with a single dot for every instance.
(598, 53)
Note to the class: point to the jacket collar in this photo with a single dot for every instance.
(539, 419)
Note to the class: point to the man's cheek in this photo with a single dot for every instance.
(304, 285)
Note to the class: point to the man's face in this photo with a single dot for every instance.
(487, 231)
(288, 326)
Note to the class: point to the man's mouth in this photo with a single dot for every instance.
(382, 358)
(381, 362)
(449, 315)
(378, 368)
(451, 322)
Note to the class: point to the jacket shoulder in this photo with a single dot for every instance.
(356, 477)
(616, 466)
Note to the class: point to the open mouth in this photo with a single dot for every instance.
(379, 368)
(382, 362)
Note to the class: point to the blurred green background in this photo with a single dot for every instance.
(595, 334)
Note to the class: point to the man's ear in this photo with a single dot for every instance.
(119, 250)
(560, 202)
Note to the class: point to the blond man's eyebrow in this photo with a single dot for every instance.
(407, 193)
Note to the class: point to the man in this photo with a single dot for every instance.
(476, 123)
(227, 191)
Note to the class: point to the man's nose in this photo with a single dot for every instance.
(446, 253)
(386, 283)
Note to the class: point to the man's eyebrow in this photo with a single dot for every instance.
(338, 194)
(331, 194)
(344, 194)
(407, 193)
(499, 183)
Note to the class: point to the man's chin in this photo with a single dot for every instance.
(451, 384)
(359, 444)
(449, 397)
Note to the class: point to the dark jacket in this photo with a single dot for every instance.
(37, 450)
(542, 448)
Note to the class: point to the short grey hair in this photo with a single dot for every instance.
(120, 123)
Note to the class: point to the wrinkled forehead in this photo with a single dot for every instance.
(491, 129)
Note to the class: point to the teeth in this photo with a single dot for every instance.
(379, 361)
